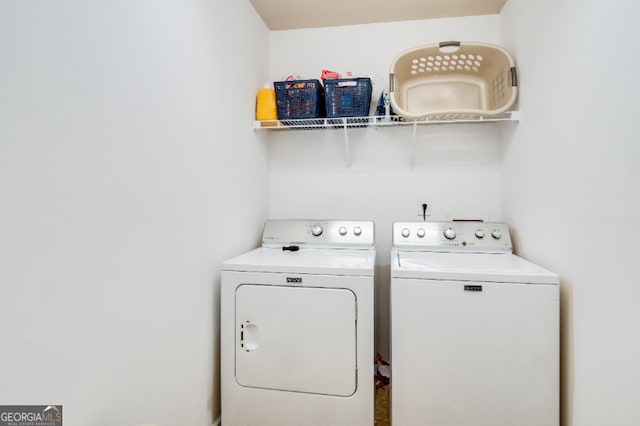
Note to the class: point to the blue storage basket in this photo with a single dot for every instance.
(299, 99)
(348, 97)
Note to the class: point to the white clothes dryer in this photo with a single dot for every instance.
(474, 329)
(297, 327)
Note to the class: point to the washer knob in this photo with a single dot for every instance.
(480, 233)
(342, 230)
(497, 234)
(316, 230)
(449, 233)
(405, 232)
(357, 231)
(420, 233)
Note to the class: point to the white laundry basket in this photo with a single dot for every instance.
(453, 80)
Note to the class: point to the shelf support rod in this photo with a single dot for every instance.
(346, 141)
(413, 143)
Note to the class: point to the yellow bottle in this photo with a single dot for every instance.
(266, 104)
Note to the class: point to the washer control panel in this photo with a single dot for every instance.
(319, 233)
(468, 236)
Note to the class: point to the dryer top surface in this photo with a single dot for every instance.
(358, 262)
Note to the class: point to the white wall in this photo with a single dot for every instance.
(456, 168)
(571, 189)
(127, 162)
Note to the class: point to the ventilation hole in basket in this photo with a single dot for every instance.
(439, 57)
(423, 59)
(480, 58)
(469, 62)
(436, 68)
(453, 62)
(454, 56)
(475, 69)
(447, 57)
(451, 67)
(471, 57)
(415, 67)
(430, 58)
(414, 72)
(459, 67)
(477, 63)
(415, 61)
(429, 64)
(463, 56)
(467, 67)
(429, 69)
(421, 65)
(445, 63)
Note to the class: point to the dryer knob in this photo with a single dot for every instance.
(497, 234)
(342, 230)
(357, 231)
(421, 233)
(480, 233)
(449, 233)
(316, 230)
(405, 232)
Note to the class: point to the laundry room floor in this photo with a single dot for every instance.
(382, 405)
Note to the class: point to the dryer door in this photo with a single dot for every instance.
(300, 339)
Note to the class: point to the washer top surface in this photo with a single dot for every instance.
(461, 251)
(492, 267)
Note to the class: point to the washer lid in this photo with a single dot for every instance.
(305, 261)
(504, 267)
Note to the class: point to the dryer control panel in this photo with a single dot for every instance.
(318, 233)
(466, 236)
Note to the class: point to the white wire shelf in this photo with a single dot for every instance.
(346, 123)
(374, 121)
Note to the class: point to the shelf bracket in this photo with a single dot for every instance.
(346, 142)
(413, 143)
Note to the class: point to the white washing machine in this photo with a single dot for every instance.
(474, 329)
(297, 327)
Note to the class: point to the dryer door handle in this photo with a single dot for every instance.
(249, 336)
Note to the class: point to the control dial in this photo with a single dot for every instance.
(420, 232)
(405, 232)
(497, 234)
(316, 230)
(480, 233)
(449, 233)
(342, 230)
(357, 231)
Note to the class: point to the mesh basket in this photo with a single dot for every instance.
(453, 80)
(299, 99)
(347, 97)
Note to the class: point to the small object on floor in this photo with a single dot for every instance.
(383, 371)
(382, 414)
